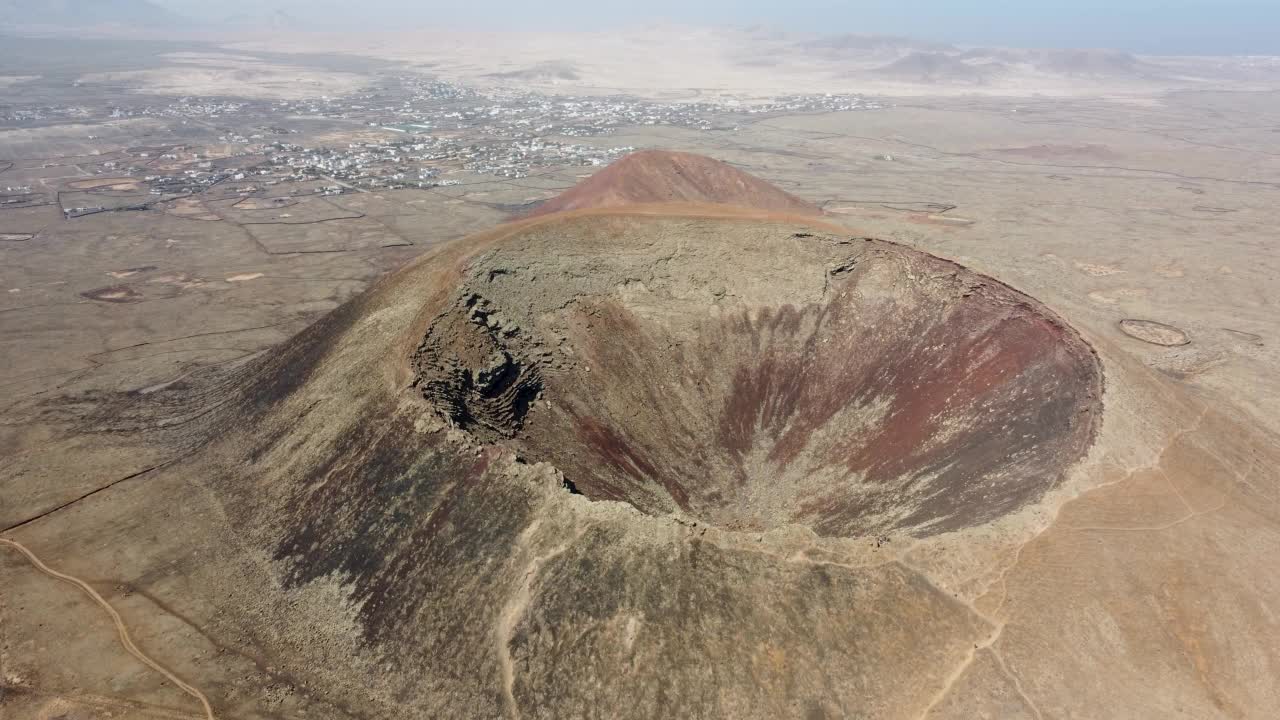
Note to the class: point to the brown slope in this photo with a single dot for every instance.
(431, 558)
(659, 176)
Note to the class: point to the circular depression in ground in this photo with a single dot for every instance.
(750, 376)
(1155, 333)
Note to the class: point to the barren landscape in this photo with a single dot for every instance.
(502, 376)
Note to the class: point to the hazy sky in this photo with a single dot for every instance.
(1155, 26)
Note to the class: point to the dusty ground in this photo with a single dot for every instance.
(229, 75)
(263, 571)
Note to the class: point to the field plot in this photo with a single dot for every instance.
(341, 235)
(30, 220)
(288, 211)
(99, 200)
(118, 185)
(191, 209)
(74, 140)
(422, 218)
(263, 203)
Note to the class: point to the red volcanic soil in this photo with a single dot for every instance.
(659, 176)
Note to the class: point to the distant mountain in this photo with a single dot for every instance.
(267, 19)
(1004, 55)
(256, 15)
(859, 43)
(1088, 62)
(550, 71)
(84, 13)
(936, 67)
(1075, 63)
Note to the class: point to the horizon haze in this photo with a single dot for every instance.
(1153, 27)
(1192, 27)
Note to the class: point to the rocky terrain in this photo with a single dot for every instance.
(717, 457)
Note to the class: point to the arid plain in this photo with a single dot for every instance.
(246, 497)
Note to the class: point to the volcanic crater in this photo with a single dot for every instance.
(748, 376)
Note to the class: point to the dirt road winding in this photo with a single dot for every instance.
(123, 632)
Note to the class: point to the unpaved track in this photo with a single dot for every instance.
(125, 640)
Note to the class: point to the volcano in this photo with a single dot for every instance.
(568, 424)
(632, 458)
(575, 422)
(660, 176)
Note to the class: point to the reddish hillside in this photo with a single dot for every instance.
(658, 176)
